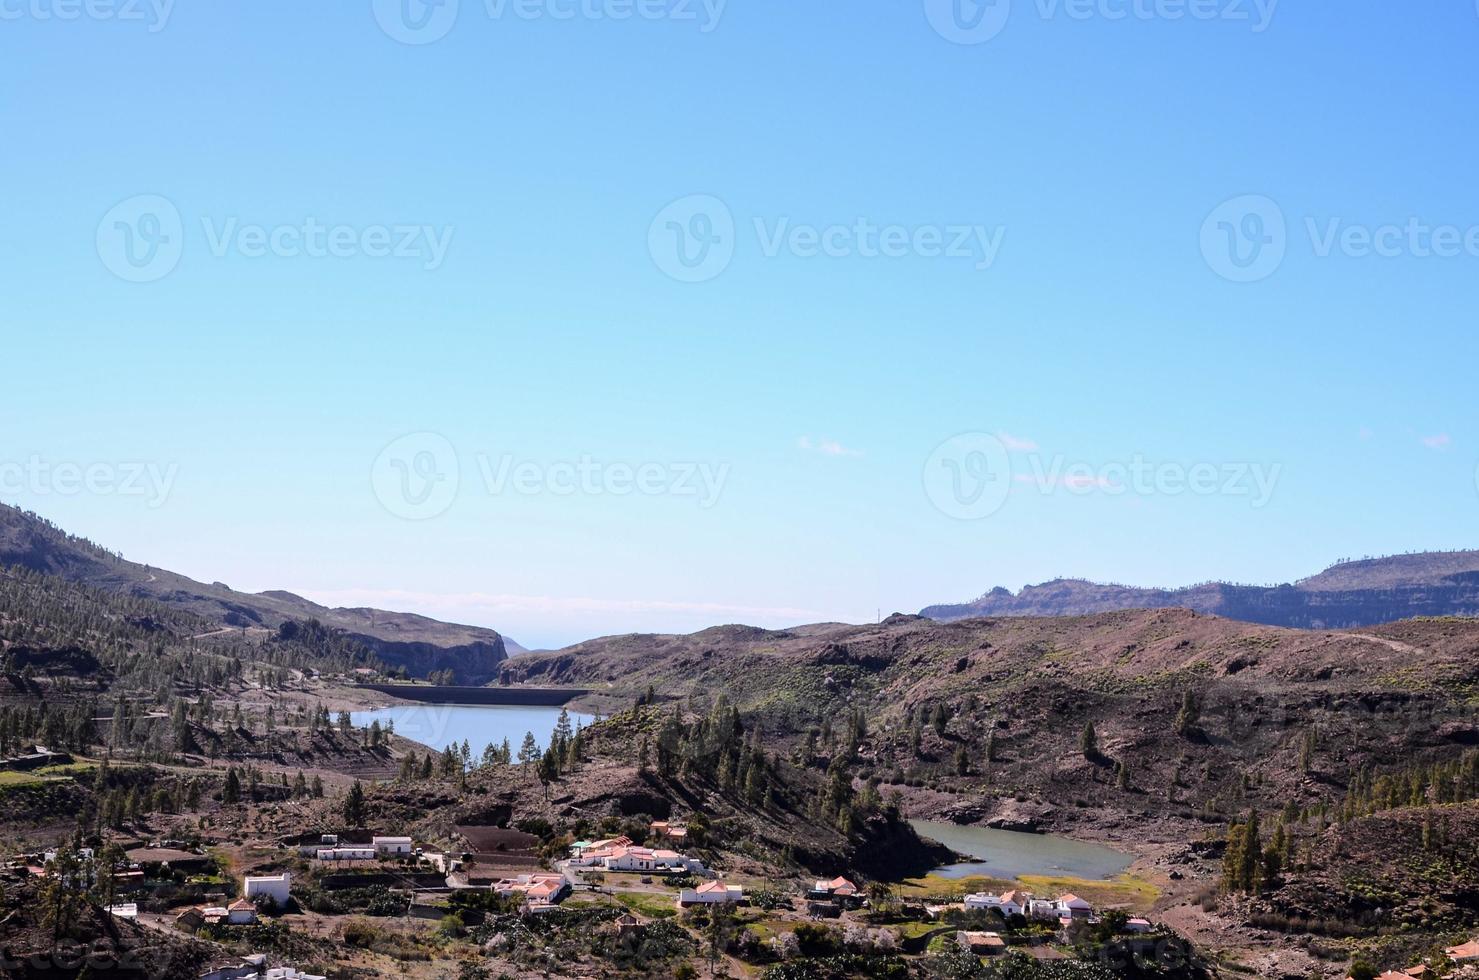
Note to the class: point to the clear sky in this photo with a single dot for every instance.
(573, 317)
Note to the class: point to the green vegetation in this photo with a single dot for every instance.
(652, 905)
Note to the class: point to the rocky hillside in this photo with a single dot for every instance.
(1409, 869)
(420, 644)
(1346, 595)
(984, 719)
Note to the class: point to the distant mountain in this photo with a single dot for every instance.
(1348, 594)
(420, 644)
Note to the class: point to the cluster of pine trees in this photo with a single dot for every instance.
(63, 727)
(1435, 784)
(715, 747)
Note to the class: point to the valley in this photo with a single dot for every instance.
(1224, 798)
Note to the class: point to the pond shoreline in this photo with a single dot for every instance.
(1009, 854)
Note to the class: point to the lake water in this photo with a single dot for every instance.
(1008, 854)
(441, 725)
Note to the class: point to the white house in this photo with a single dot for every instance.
(275, 887)
(838, 887)
(83, 853)
(346, 853)
(537, 889)
(1010, 903)
(254, 969)
(241, 913)
(1042, 908)
(643, 860)
(711, 893)
(1137, 925)
(1072, 907)
(393, 845)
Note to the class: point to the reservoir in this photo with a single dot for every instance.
(1008, 854)
(441, 725)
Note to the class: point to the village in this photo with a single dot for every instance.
(316, 881)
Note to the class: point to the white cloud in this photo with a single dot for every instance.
(1440, 441)
(827, 447)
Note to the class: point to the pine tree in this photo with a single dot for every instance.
(528, 751)
(1189, 715)
(1251, 853)
(354, 805)
(1088, 742)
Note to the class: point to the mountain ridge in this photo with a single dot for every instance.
(1345, 595)
(418, 643)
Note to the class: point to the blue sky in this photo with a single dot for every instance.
(509, 297)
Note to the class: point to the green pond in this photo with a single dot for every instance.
(1009, 854)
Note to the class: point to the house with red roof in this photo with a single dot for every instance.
(1466, 953)
(241, 913)
(542, 889)
(710, 893)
